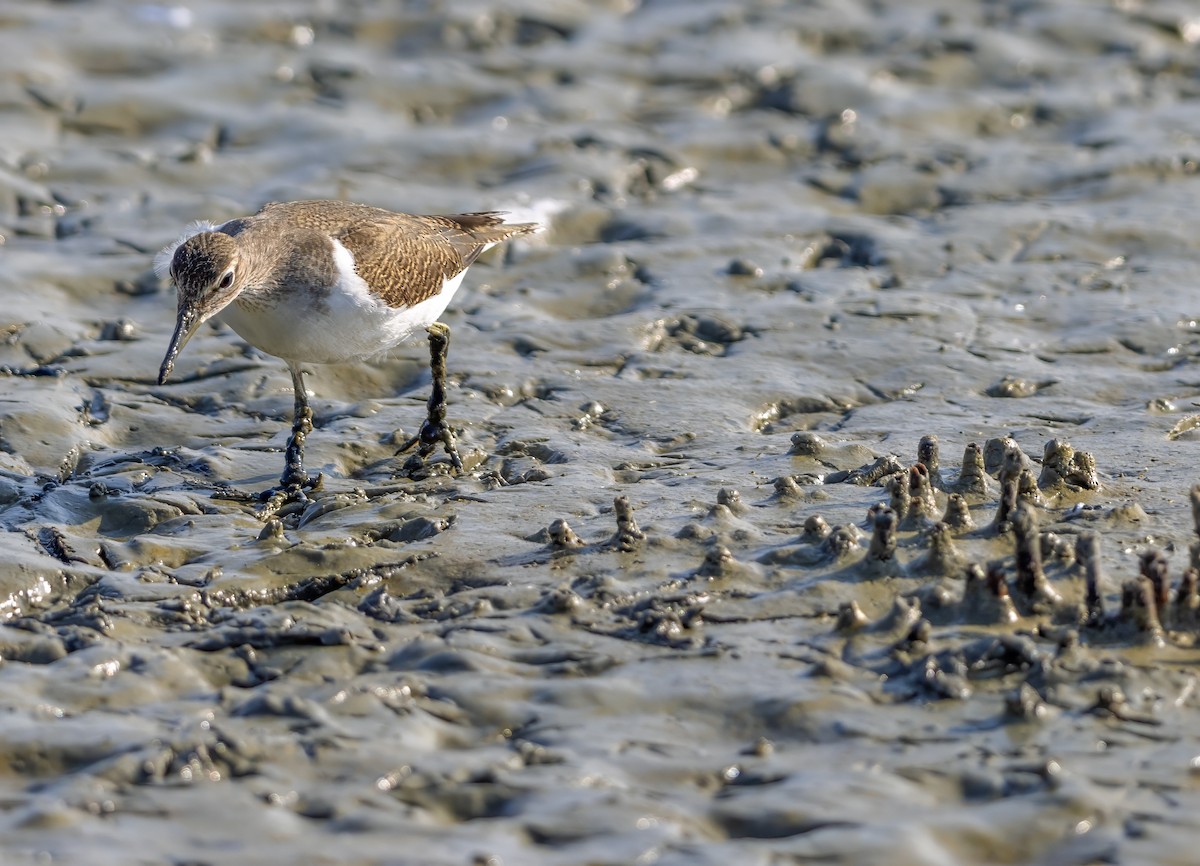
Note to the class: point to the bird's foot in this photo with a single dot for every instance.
(432, 433)
(292, 490)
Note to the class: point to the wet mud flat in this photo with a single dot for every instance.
(830, 491)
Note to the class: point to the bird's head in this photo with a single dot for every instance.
(207, 271)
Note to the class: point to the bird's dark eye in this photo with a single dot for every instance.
(227, 280)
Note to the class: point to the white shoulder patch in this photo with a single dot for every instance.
(162, 261)
(349, 282)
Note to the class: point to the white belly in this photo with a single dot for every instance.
(348, 324)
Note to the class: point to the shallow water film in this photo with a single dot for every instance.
(828, 458)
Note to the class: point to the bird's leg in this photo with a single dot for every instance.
(294, 480)
(302, 416)
(435, 430)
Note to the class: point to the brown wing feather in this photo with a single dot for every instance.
(405, 258)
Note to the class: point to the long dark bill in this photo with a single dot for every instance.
(186, 324)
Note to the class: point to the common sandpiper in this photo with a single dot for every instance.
(327, 282)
